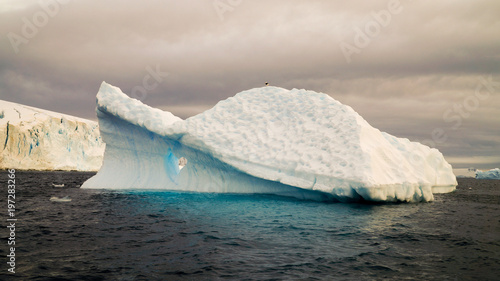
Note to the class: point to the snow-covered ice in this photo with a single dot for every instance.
(266, 140)
(36, 139)
(493, 174)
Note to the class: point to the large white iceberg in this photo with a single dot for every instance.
(493, 174)
(37, 139)
(266, 140)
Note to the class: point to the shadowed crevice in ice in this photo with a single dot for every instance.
(6, 136)
(267, 140)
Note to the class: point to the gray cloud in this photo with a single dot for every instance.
(420, 62)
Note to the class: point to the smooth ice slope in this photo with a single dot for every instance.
(493, 174)
(265, 140)
(36, 139)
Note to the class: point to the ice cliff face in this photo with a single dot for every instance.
(266, 140)
(36, 139)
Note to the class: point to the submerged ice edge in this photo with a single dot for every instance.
(142, 153)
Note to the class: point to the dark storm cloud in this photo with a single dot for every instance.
(417, 61)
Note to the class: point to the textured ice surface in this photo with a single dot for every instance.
(265, 140)
(493, 174)
(36, 139)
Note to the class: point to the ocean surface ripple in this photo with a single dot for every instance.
(163, 235)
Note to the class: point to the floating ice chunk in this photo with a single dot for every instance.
(57, 199)
(493, 174)
(265, 140)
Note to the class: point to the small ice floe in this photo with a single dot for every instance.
(57, 185)
(57, 199)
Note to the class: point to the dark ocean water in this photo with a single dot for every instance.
(110, 235)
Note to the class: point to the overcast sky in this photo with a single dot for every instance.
(425, 70)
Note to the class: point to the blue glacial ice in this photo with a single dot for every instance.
(265, 140)
(493, 174)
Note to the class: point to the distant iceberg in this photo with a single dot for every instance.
(493, 174)
(266, 140)
(37, 139)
